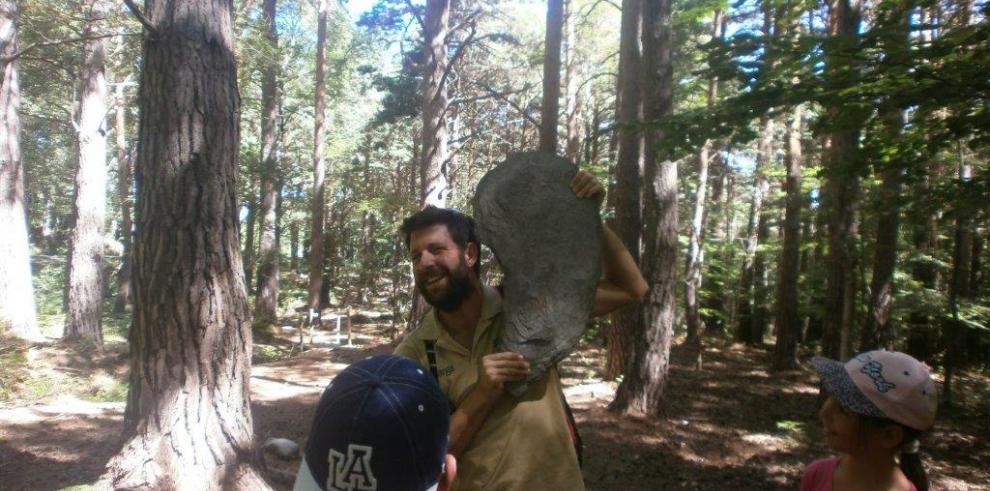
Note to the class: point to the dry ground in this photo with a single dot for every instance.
(731, 425)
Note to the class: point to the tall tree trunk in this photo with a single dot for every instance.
(319, 164)
(17, 312)
(550, 112)
(85, 268)
(266, 303)
(744, 302)
(761, 290)
(434, 187)
(877, 331)
(696, 252)
(188, 418)
(124, 176)
(841, 161)
(572, 106)
(787, 319)
(642, 390)
(955, 331)
(628, 171)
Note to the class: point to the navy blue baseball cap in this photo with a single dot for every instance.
(382, 424)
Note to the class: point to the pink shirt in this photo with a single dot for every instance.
(818, 475)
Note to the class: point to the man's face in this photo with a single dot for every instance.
(442, 269)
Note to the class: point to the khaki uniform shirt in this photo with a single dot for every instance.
(524, 444)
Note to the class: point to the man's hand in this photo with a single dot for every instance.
(499, 368)
(585, 185)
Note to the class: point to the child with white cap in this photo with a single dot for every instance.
(878, 404)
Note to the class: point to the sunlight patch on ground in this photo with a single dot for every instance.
(771, 442)
(801, 389)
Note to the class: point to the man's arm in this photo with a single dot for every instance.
(622, 283)
(495, 370)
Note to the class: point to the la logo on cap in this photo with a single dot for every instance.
(354, 472)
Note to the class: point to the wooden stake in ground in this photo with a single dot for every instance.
(188, 419)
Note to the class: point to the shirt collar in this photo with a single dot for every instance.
(491, 306)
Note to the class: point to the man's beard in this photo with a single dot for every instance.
(459, 287)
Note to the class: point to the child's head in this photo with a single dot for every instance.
(879, 401)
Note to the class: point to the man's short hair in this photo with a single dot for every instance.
(459, 225)
(382, 424)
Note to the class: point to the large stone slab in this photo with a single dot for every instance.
(548, 244)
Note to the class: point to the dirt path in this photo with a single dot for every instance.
(732, 425)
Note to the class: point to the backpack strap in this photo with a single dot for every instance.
(431, 356)
(573, 431)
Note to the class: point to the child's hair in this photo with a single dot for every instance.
(909, 459)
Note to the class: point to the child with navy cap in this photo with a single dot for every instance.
(382, 424)
(878, 404)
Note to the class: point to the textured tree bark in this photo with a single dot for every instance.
(550, 111)
(696, 252)
(788, 321)
(319, 165)
(642, 391)
(266, 302)
(124, 176)
(572, 103)
(840, 161)
(188, 418)
(628, 169)
(17, 311)
(434, 187)
(85, 269)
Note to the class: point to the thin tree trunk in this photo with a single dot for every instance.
(266, 302)
(761, 291)
(696, 251)
(955, 331)
(572, 106)
(550, 112)
(251, 219)
(642, 390)
(434, 187)
(744, 303)
(629, 163)
(85, 279)
(841, 160)
(17, 311)
(788, 319)
(319, 165)
(124, 176)
(188, 418)
(294, 246)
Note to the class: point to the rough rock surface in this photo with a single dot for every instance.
(548, 244)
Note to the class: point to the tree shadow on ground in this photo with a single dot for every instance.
(75, 448)
(735, 425)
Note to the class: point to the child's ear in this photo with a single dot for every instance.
(891, 436)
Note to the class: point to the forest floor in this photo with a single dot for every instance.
(731, 425)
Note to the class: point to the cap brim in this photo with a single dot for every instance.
(837, 382)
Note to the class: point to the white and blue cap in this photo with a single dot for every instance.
(382, 424)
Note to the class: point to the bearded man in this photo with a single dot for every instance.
(500, 442)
